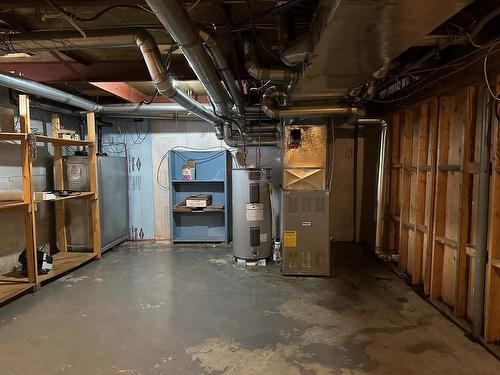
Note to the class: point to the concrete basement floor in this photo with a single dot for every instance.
(152, 308)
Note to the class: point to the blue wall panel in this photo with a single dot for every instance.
(134, 137)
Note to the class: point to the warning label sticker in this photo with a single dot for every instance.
(255, 211)
(290, 238)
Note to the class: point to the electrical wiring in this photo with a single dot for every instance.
(426, 78)
(199, 160)
(97, 15)
(261, 87)
(437, 69)
(485, 71)
(472, 41)
(284, 6)
(193, 6)
(152, 99)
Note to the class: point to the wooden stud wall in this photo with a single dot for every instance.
(413, 140)
(492, 303)
(433, 193)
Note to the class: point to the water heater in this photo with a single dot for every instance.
(252, 234)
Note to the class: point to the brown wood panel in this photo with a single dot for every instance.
(405, 192)
(413, 149)
(394, 199)
(430, 188)
(468, 141)
(492, 296)
(94, 205)
(445, 104)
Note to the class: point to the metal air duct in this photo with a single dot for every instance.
(221, 64)
(176, 21)
(269, 108)
(265, 74)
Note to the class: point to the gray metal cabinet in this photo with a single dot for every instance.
(113, 202)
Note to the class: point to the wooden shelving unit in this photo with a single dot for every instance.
(65, 262)
(10, 287)
(82, 195)
(14, 284)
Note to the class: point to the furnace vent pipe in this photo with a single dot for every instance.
(264, 74)
(270, 108)
(225, 72)
(176, 21)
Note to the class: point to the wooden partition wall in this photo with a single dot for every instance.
(433, 191)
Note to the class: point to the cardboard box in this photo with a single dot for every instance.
(189, 170)
(44, 196)
(199, 201)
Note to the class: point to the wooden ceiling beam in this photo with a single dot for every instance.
(128, 93)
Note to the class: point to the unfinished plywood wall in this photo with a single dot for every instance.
(492, 306)
(432, 208)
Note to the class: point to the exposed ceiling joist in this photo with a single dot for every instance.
(128, 93)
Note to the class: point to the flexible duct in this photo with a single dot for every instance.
(176, 21)
(269, 108)
(261, 73)
(221, 64)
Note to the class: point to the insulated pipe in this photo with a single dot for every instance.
(482, 221)
(264, 74)
(270, 109)
(175, 19)
(221, 64)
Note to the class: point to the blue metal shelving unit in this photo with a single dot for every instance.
(212, 177)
